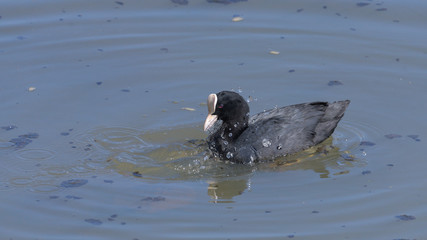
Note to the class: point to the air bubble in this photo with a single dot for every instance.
(230, 134)
(266, 143)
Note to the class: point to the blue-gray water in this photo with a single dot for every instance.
(102, 105)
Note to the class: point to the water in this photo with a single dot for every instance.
(113, 93)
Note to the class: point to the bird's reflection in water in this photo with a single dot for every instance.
(181, 154)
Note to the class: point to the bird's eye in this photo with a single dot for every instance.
(220, 106)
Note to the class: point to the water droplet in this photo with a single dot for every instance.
(266, 143)
(279, 147)
(225, 143)
(229, 155)
(235, 125)
(229, 129)
(230, 134)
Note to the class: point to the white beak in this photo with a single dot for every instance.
(211, 119)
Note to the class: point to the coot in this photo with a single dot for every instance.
(236, 137)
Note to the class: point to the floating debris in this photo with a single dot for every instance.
(392, 135)
(415, 137)
(20, 142)
(180, 2)
(348, 157)
(8, 128)
(334, 83)
(237, 19)
(98, 83)
(112, 217)
(362, 4)
(154, 199)
(366, 172)
(29, 135)
(274, 52)
(23, 140)
(405, 217)
(31, 89)
(73, 183)
(93, 221)
(291, 71)
(125, 90)
(367, 143)
(72, 197)
(119, 3)
(137, 174)
(342, 173)
(188, 109)
(226, 1)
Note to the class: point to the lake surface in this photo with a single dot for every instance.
(102, 105)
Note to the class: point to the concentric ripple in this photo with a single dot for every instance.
(181, 153)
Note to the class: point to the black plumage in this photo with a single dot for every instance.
(269, 134)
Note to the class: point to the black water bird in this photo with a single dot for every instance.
(237, 137)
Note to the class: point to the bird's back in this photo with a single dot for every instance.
(287, 130)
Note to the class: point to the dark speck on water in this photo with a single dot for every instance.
(381, 9)
(137, 174)
(226, 1)
(392, 135)
(119, 3)
(20, 142)
(366, 172)
(362, 4)
(334, 83)
(415, 137)
(8, 128)
(366, 143)
(98, 83)
(154, 199)
(72, 197)
(125, 90)
(405, 217)
(74, 183)
(93, 221)
(291, 71)
(23, 140)
(30, 135)
(65, 133)
(300, 10)
(347, 157)
(180, 2)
